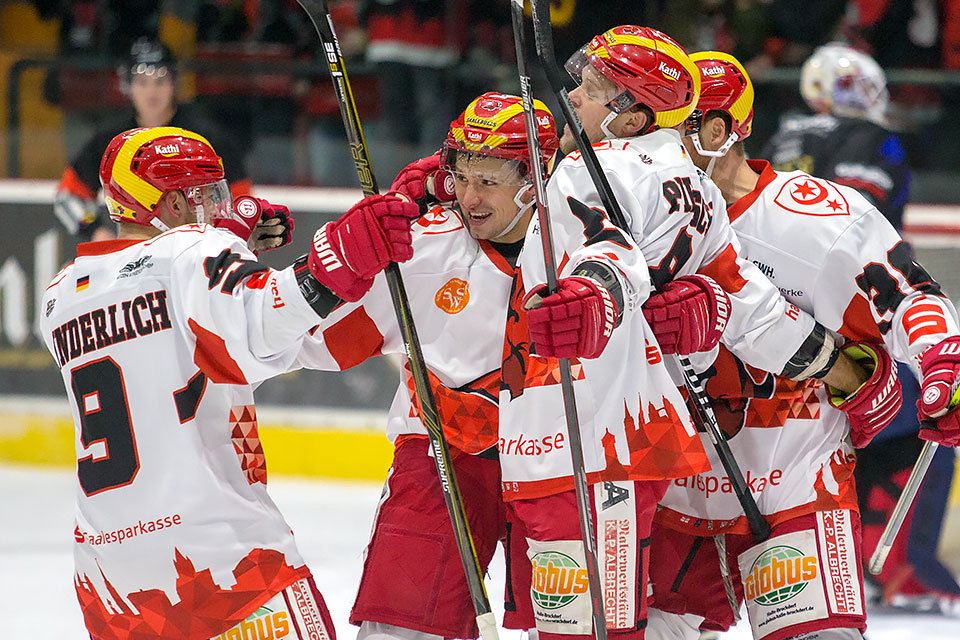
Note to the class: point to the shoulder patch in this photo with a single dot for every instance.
(810, 196)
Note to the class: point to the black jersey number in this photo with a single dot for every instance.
(104, 418)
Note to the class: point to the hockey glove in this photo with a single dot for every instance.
(274, 227)
(874, 405)
(939, 393)
(347, 253)
(576, 321)
(423, 182)
(688, 315)
(245, 217)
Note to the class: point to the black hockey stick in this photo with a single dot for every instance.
(543, 36)
(588, 533)
(320, 16)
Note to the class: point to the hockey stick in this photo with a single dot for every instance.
(487, 624)
(899, 513)
(759, 527)
(588, 533)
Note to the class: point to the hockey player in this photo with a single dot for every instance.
(149, 78)
(161, 335)
(459, 284)
(834, 255)
(636, 85)
(846, 140)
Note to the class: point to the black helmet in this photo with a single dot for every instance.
(150, 57)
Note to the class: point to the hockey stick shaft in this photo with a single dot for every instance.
(587, 530)
(759, 527)
(320, 16)
(899, 513)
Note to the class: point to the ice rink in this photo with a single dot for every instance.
(332, 523)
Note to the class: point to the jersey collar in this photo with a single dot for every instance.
(103, 247)
(767, 175)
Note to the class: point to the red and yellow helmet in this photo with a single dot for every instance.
(141, 165)
(493, 125)
(642, 66)
(725, 86)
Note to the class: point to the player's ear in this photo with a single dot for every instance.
(174, 205)
(634, 121)
(716, 131)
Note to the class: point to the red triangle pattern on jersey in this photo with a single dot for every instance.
(791, 400)
(469, 413)
(660, 446)
(204, 610)
(246, 442)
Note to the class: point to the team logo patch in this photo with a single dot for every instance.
(557, 579)
(453, 296)
(135, 267)
(811, 197)
(779, 574)
(247, 207)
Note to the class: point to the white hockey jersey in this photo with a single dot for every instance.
(677, 216)
(159, 343)
(458, 289)
(835, 256)
(633, 421)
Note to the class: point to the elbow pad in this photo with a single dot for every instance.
(815, 356)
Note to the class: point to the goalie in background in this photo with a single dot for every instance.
(149, 78)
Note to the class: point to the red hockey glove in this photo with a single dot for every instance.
(688, 315)
(274, 228)
(577, 320)
(939, 395)
(423, 181)
(347, 253)
(246, 216)
(874, 405)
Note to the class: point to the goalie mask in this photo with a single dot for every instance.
(141, 165)
(843, 81)
(725, 87)
(493, 126)
(630, 65)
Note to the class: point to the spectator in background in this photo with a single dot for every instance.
(414, 46)
(149, 78)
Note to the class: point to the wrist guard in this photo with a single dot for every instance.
(815, 356)
(320, 298)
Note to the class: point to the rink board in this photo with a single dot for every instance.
(321, 443)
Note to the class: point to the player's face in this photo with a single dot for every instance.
(486, 188)
(153, 97)
(589, 100)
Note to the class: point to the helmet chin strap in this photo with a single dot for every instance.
(713, 155)
(522, 208)
(610, 135)
(159, 224)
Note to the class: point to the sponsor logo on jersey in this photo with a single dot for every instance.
(262, 624)
(453, 296)
(670, 72)
(117, 536)
(557, 580)
(779, 574)
(526, 446)
(167, 150)
(713, 71)
(791, 293)
(134, 268)
(615, 495)
(765, 269)
(51, 303)
(812, 197)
